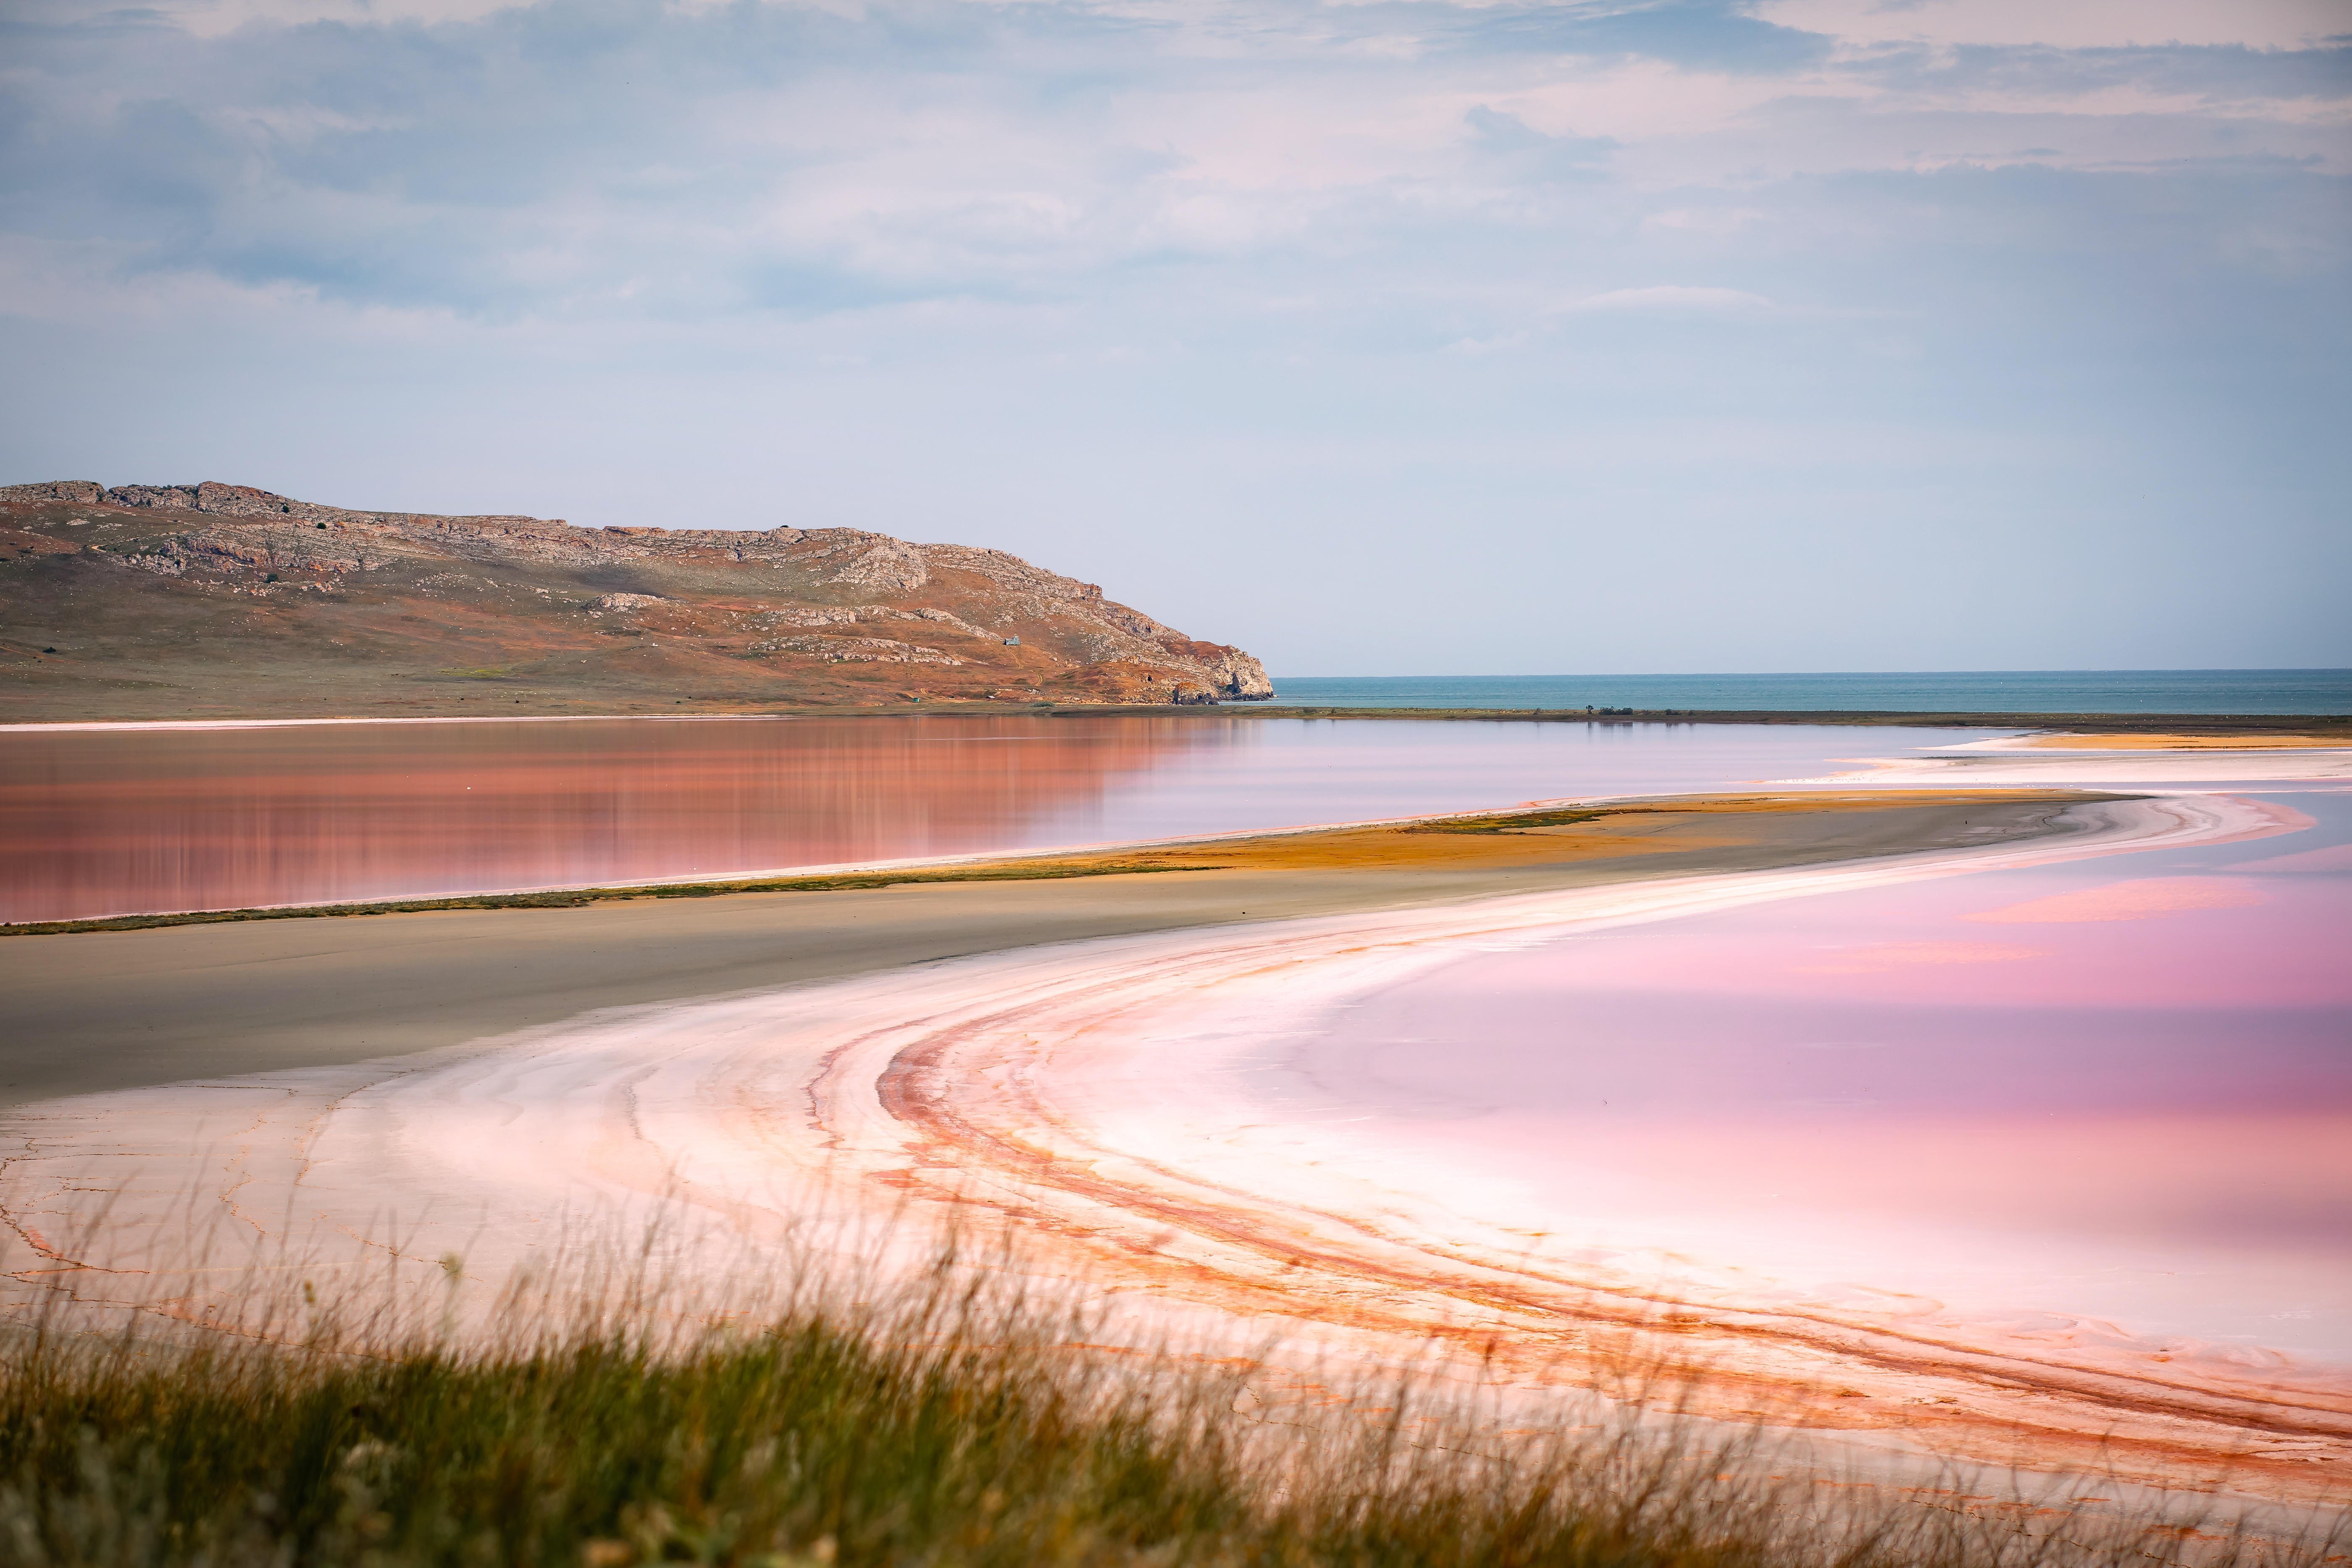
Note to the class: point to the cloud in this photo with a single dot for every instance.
(2077, 25)
(1700, 35)
(586, 156)
(1674, 299)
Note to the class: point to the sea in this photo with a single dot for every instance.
(2223, 691)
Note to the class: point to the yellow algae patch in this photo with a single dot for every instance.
(1550, 835)
(2128, 902)
(2187, 742)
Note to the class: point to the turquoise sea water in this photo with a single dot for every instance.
(2249, 692)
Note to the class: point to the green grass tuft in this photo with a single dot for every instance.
(967, 1430)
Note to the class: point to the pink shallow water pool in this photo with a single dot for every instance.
(2102, 1099)
(120, 820)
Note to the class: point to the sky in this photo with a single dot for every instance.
(1376, 336)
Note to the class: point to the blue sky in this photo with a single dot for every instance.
(1388, 337)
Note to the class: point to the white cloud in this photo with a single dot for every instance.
(2068, 24)
(1712, 221)
(213, 18)
(1673, 298)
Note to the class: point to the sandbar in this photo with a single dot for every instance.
(98, 1010)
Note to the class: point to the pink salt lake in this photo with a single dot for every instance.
(114, 820)
(2107, 1098)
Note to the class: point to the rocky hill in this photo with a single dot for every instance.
(159, 601)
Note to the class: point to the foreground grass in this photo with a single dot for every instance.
(961, 1433)
(807, 1444)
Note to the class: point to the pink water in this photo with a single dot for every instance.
(97, 822)
(2107, 1096)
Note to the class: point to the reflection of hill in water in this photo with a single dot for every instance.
(97, 822)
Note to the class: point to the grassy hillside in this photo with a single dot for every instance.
(220, 601)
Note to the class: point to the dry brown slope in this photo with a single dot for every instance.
(212, 599)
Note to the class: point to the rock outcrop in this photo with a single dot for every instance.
(971, 622)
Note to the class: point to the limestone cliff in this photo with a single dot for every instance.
(138, 585)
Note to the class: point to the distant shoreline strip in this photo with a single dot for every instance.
(2324, 725)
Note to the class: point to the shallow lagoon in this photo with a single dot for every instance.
(2101, 1100)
